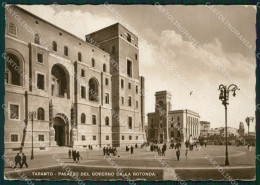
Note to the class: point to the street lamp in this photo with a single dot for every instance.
(248, 119)
(32, 115)
(224, 97)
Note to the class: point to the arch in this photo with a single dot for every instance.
(60, 83)
(54, 46)
(104, 68)
(79, 56)
(83, 118)
(107, 121)
(40, 114)
(12, 28)
(61, 127)
(93, 89)
(37, 38)
(14, 67)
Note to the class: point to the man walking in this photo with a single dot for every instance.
(24, 161)
(178, 154)
(132, 150)
(69, 153)
(17, 160)
(104, 150)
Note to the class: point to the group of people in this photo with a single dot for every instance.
(75, 155)
(20, 160)
(127, 148)
(109, 151)
(162, 152)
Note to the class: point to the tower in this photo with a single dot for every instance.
(241, 129)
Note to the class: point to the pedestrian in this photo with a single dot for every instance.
(126, 148)
(74, 155)
(78, 156)
(163, 151)
(24, 161)
(132, 150)
(104, 150)
(17, 160)
(136, 146)
(159, 151)
(178, 154)
(186, 153)
(69, 153)
(110, 151)
(107, 151)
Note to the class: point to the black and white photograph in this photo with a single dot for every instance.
(130, 92)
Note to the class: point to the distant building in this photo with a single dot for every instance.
(241, 130)
(204, 128)
(166, 125)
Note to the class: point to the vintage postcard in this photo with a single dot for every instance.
(136, 92)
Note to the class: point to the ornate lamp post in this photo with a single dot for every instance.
(248, 119)
(224, 97)
(32, 115)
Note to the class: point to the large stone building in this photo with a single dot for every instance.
(166, 125)
(81, 94)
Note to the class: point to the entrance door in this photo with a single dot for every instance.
(59, 135)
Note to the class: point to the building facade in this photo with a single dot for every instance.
(165, 124)
(204, 128)
(70, 89)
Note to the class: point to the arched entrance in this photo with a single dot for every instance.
(61, 127)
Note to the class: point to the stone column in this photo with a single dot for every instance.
(52, 131)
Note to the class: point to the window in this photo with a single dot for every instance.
(129, 68)
(106, 81)
(172, 125)
(160, 125)
(129, 37)
(151, 126)
(14, 111)
(136, 89)
(83, 138)
(107, 98)
(129, 101)
(130, 137)
(37, 38)
(40, 137)
(93, 90)
(122, 101)
(122, 83)
(136, 57)
(178, 118)
(40, 81)
(14, 137)
(54, 46)
(40, 58)
(123, 137)
(104, 68)
(94, 121)
(12, 29)
(172, 134)
(130, 122)
(83, 92)
(136, 137)
(94, 138)
(40, 114)
(82, 73)
(79, 57)
(83, 118)
(136, 104)
(93, 62)
(107, 121)
(107, 137)
(113, 49)
(129, 85)
(66, 51)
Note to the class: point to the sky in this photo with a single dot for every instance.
(199, 75)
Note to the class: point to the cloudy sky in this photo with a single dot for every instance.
(163, 37)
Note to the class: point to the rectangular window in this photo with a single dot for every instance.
(130, 137)
(83, 92)
(123, 137)
(106, 81)
(129, 85)
(40, 137)
(94, 138)
(122, 101)
(107, 98)
(82, 73)
(122, 83)
(14, 137)
(40, 58)
(130, 122)
(136, 137)
(40, 81)
(129, 39)
(129, 101)
(129, 68)
(136, 89)
(107, 137)
(136, 104)
(94, 121)
(136, 57)
(14, 111)
(83, 138)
